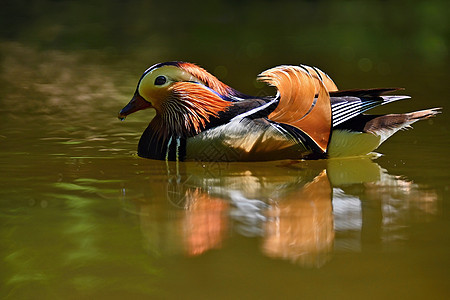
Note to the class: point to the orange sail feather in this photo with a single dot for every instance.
(299, 106)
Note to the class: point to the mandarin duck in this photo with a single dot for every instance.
(200, 118)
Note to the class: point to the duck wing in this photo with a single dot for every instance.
(348, 104)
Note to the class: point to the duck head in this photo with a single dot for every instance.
(184, 96)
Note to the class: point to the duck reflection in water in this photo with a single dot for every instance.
(302, 212)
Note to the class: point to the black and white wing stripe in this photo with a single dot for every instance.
(262, 110)
(347, 107)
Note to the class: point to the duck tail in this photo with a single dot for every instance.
(385, 126)
(304, 100)
(367, 132)
(424, 114)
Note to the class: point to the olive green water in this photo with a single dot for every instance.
(82, 217)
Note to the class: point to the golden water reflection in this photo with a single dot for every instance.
(301, 212)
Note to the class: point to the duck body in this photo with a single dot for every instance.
(200, 118)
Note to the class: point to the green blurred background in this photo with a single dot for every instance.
(238, 39)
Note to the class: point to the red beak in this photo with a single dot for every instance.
(135, 104)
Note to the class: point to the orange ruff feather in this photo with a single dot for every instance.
(187, 110)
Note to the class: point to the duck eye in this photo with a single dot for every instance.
(160, 80)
